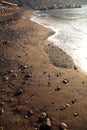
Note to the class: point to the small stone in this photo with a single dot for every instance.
(23, 67)
(2, 90)
(49, 84)
(27, 76)
(26, 116)
(15, 75)
(5, 42)
(19, 108)
(75, 114)
(73, 101)
(67, 105)
(1, 128)
(58, 74)
(11, 99)
(75, 67)
(42, 117)
(63, 108)
(11, 71)
(46, 126)
(65, 81)
(18, 92)
(48, 122)
(1, 111)
(6, 78)
(58, 89)
(63, 126)
(2, 104)
(30, 113)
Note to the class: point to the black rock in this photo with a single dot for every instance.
(45, 127)
(18, 92)
(27, 76)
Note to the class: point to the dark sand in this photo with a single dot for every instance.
(23, 42)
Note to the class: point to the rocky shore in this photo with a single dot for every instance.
(40, 87)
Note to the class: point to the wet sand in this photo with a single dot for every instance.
(39, 77)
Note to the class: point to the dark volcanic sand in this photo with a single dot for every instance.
(31, 71)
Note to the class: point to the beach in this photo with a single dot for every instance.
(37, 77)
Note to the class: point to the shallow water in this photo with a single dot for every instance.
(70, 26)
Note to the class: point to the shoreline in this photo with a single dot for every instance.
(52, 39)
(58, 59)
(31, 83)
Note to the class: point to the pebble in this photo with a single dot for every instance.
(27, 76)
(63, 126)
(46, 126)
(2, 104)
(75, 114)
(63, 108)
(75, 67)
(73, 101)
(5, 42)
(19, 108)
(11, 99)
(11, 71)
(22, 67)
(58, 89)
(67, 105)
(2, 90)
(65, 81)
(26, 116)
(1, 128)
(1, 111)
(18, 92)
(58, 74)
(31, 112)
(6, 78)
(15, 75)
(42, 117)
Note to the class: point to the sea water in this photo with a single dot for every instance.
(70, 27)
